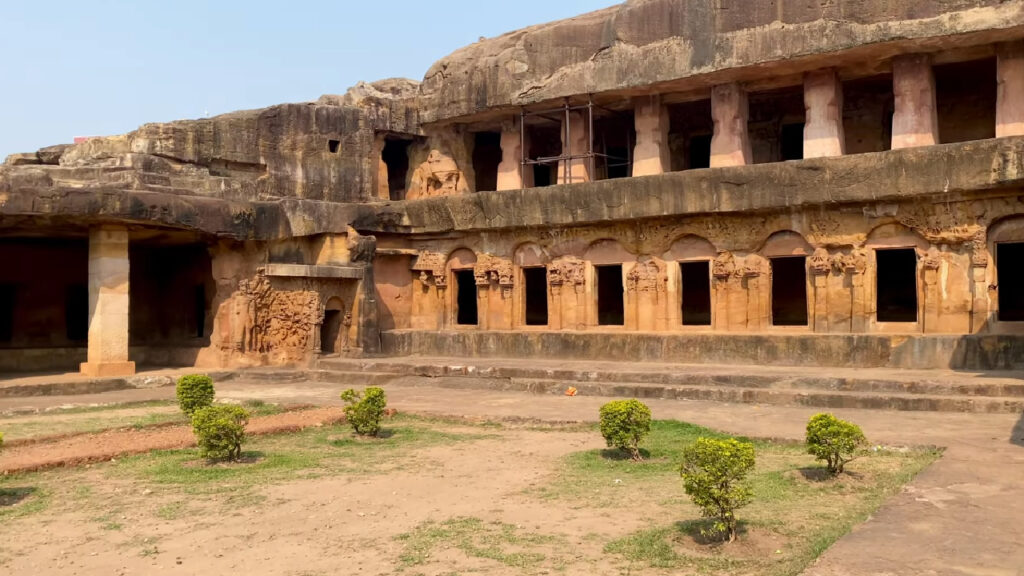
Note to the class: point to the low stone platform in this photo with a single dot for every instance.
(870, 388)
(74, 383)
(909, 351)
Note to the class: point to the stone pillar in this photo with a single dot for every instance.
(578, 143)
(1010, 91)
(108, 303)
(914, 121)
(511, 173)
(931, 291)
(651, 153)
(823, 127)
(730, 145)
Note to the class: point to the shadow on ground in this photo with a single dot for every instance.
(12, 496)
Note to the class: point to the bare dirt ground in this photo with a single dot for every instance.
(959, 517)
(97, 447)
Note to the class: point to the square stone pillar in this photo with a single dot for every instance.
(578, 143)
(730, 145)
(512, 175)
(651, 153)
(823, 127)
(914, 120)
(108, 303)
(1010, 91)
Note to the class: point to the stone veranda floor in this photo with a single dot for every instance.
(961, 516)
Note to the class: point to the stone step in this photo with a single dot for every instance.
(729, 394)
(933, 383)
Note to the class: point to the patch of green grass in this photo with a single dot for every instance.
(795, 511)
(502, 543)
(279, 457)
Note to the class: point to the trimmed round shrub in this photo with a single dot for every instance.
(220, 431)
(194, 391)
(835, 441)
(713, 474)
(363, 410)
(624, 424)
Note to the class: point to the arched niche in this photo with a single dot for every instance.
(461, 259)
(1009, 229)
(785, 243)
(530, 255)
(604, 252)
(895, 235)
(689, 248)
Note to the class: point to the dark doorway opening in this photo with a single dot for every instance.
(486, 158)
(896, 285)
(166, 307)
(333, 146)
(700, 151)
(543, 175)
(1010, 279)
(789, 291)
(76, 312)
(792, 141)
(965, 100)
(199, 309)
(396, 157)
(329, 331)
(611, 309)
(696, 281)
(544, 141)
(465, 298)
(536, 280)
(6, 312)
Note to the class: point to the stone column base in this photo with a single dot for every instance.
(107, 369)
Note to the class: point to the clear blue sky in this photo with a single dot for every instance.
(80, 68)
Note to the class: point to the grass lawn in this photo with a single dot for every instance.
(797, 511)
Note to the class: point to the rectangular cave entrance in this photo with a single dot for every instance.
(329, 331)
(465, 298)
(789, 291)
(395, 156)
(965, 100)
(611, 309)
(614, 137)
(696, 294)
(896, 285)
(536, 288)
(486, 158)
(544, 141)
(776, 125)
(1010, 279)
(689, 136)
(171, 284)
(44, 303)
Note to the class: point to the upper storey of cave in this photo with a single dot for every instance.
(646, 46)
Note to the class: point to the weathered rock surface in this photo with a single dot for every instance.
(702, 42)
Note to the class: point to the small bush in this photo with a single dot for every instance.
(194, 391)
(364, 410)
(220, 431)
(713, 472)
(624, 424)
(833, 440)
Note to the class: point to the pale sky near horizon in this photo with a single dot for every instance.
(71, 68)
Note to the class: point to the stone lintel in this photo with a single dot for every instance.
(308, 271)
